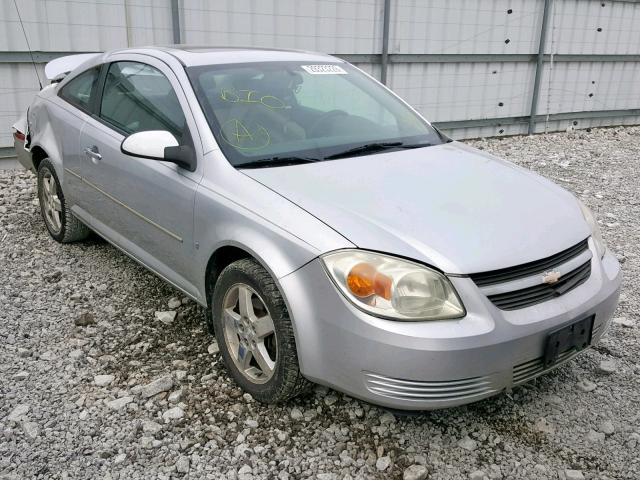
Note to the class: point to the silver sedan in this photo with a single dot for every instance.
(333, 234)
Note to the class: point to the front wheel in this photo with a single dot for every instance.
(62, 225)
(255, 335)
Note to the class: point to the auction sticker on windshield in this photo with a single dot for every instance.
(325, 69)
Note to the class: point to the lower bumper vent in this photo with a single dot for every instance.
(409, 390)
(529, 370)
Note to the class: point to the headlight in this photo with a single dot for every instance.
(595, 229)
(393, 288)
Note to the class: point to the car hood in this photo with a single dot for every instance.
(451, 206)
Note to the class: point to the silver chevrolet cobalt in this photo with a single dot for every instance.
(332, 233)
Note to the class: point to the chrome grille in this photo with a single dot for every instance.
(435, 390)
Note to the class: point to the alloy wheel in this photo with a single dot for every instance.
(51, 204)
(249, 333)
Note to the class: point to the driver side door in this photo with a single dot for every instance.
(143, 206)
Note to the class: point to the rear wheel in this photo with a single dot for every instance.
(62, 225)
(254, 332)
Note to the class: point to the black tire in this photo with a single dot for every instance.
(70, 229)
(286, 381)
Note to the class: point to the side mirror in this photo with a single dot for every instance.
(159, 145)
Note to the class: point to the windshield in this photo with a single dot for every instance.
(270, 111)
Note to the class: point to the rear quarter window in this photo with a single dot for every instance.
(78, 91)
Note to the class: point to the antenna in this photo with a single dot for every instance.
(33, 62)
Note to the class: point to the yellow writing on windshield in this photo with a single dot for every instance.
(238, 135)
(240, 132)
(251, 96)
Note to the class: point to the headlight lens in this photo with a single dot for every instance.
(393, 288)
(595, 229)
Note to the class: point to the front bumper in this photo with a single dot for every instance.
(437, 364)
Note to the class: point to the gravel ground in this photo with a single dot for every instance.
(94, 385)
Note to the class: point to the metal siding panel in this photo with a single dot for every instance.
(149, 26)
(612, 86)
(465, 26)
(370, 68)
(324, 25)
(81, 25)
(576, 25)
(18, 85)
(567, 125)
(462, 91)
(479, 132)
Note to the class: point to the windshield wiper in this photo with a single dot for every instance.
(277, 162)
(375, 147)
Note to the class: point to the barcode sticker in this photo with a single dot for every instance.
(327, 69)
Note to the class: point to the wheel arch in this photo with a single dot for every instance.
(37, 155)
(227, 253)
(223, 256)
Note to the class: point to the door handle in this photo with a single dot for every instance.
(93, 152)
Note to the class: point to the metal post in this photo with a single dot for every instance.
(385, 41)
(175, 20)
(127, 21)
(539, 66)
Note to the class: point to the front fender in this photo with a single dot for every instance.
(277, 233)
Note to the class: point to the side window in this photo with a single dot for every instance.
(78, 91)
(138, 97)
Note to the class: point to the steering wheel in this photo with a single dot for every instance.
(323, 119)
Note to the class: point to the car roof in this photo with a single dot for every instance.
(195, 55)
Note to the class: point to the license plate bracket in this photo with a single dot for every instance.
(575, 336)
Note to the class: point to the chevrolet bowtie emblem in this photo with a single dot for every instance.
(551, 277)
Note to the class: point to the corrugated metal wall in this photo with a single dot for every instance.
(467, 89)
(469, 66)
(84, 25)
(334, 26)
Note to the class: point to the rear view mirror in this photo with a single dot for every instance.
(159, 145)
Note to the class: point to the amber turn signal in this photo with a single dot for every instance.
(364, 280)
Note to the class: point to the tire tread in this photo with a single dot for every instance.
(73, 230)
(293, 382)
